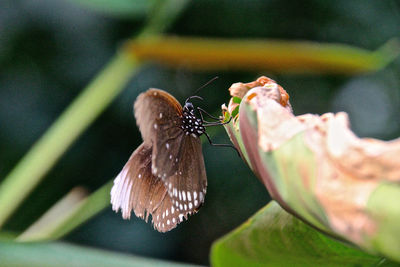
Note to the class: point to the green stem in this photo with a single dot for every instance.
(75, 119)
(61, 211)
(163, 14)
(82, 212)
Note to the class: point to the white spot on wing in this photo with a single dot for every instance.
(160, 115)
(195, 195)
(155, 126)
(189, 196)
(167, 145)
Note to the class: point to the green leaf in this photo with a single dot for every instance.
(273, 237)
(235, 112)
(118, 8)
(236, 100)
(60, 254)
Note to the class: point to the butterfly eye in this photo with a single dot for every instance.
(188, 106)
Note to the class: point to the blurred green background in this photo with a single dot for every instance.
(50, 50)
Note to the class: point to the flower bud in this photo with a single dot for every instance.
(316, 168)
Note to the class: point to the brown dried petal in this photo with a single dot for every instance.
(368, 158)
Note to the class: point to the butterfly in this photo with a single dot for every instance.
(165, 177)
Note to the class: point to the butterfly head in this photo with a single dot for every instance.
(188, 108)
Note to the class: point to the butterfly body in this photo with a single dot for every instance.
(190, 123)
(165, 176)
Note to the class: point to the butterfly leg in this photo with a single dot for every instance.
(225, 145)
(201, 115)
(208, 114)
(208, 123)
(219, 123)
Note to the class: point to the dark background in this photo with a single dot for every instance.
(49, 51)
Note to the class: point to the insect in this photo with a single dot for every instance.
(165, 176)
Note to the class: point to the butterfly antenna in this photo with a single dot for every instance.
(201, 87)
(204, 85)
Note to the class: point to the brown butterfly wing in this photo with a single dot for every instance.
(188, 186)
(156, 110)
(137, 189)
(159, 117)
